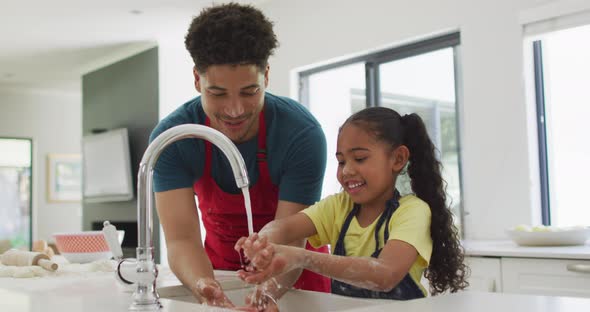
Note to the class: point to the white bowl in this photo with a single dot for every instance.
(84, 247)
(571, 236)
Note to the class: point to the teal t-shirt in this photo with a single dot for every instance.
(296, 152)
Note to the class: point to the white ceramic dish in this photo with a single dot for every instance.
(559, 237)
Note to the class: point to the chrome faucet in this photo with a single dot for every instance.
(145, 297)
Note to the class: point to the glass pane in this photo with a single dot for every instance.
(425, 84)
(333, 96)
(15, 153)
(565, 68)
(15, 194)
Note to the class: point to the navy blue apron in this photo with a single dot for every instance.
(405, 290)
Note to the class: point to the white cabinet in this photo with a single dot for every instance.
(486, 274)
(557, 277)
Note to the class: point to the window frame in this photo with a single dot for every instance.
(537, 47)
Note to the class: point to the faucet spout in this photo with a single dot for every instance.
(145, 296)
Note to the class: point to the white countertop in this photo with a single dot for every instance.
(79, 288)
(98, 291)
(99, 296)
(472, 301)
(507, 248)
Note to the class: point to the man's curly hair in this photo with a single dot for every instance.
(233, 34)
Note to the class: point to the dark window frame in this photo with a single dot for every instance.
(541, 132)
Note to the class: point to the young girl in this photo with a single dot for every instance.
(382, 242)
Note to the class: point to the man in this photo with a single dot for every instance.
(282, 144)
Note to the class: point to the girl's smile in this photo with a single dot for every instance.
(354, 187)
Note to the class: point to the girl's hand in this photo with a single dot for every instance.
(257, 250)
(210, 291)
(283, 259)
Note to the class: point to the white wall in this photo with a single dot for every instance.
(53, 120)
(499, 185)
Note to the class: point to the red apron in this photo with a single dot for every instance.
(224, 214)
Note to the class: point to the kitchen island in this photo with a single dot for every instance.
(98, 291)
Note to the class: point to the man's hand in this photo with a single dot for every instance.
(210, 291)
(262, 298)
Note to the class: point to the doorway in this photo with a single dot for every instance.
(15, 193)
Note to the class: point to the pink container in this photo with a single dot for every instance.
(83, 247)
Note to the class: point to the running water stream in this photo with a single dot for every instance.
(248, 206)
(260, 301)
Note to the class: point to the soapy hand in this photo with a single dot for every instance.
(266, 260)
(210, 291)
(257, 250)
(261, 298)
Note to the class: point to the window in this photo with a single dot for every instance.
(345, 84)
(415, 78)
(15, 193)
(561, 67)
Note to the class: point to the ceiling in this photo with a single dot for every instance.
(50, 44)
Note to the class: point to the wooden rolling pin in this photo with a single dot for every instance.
(41, 246)
(25, 258)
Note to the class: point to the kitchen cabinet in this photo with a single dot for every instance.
(538, 270)
(486, 273)
(556, 277)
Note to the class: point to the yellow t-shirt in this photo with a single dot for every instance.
(409, 223)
